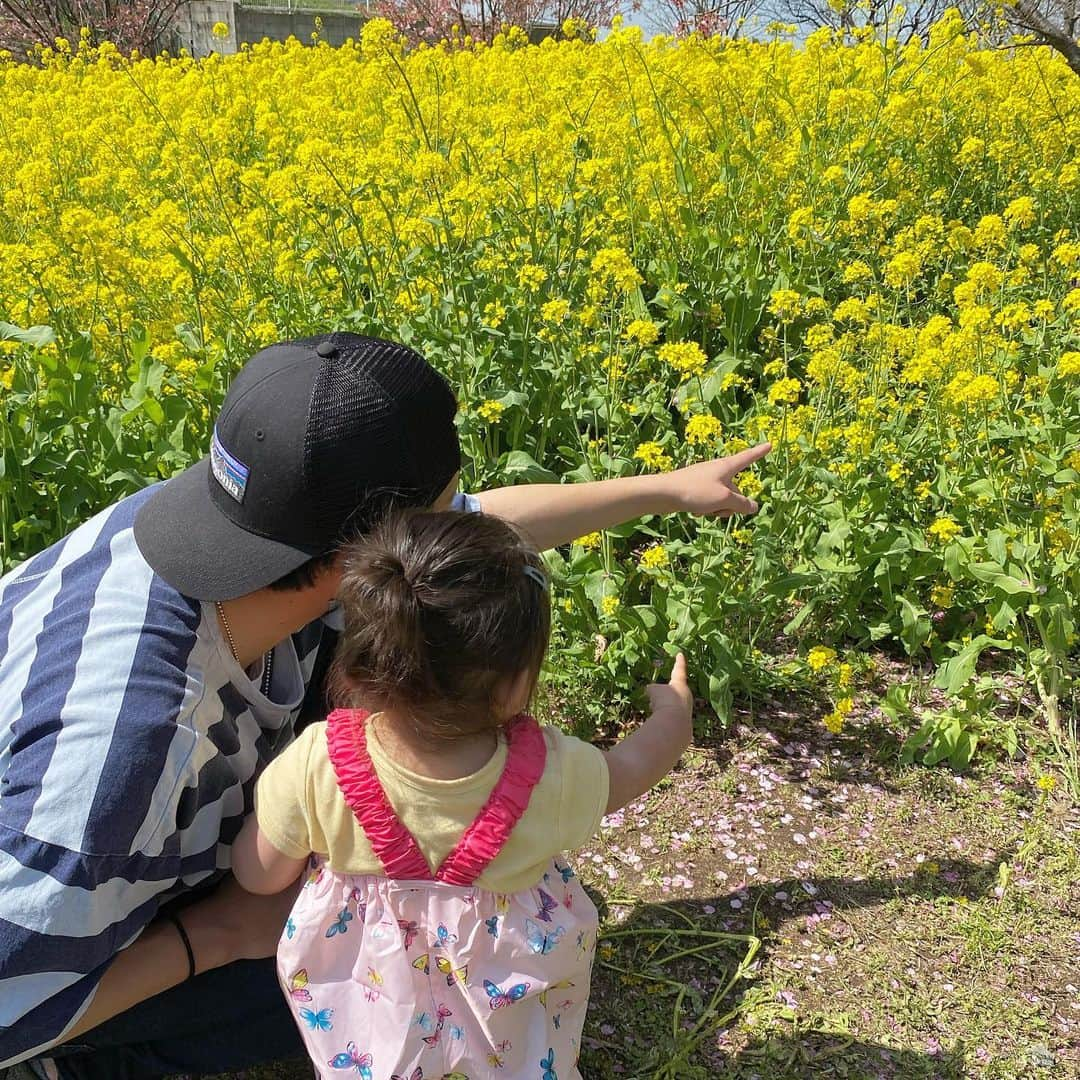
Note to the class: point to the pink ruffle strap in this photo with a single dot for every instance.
(392, 843)
(484, 838)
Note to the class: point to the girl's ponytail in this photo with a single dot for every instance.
(442, 610)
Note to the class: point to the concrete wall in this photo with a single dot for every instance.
(254, 24)
(194, 26)
(195, 22)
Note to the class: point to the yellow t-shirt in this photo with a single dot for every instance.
(301, 809)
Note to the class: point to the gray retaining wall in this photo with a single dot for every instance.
(194, 26)
(193, 29)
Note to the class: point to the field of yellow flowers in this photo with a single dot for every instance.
(626, 256)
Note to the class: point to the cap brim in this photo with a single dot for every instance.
(201, 553)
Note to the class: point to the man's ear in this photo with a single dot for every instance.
(328, 577)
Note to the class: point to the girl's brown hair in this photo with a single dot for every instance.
(442, 612)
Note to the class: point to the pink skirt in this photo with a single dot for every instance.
(420, 980)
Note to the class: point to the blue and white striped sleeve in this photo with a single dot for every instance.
(63, 917)
(92, 761)
(468, 504)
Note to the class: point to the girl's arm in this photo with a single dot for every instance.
(648, 754)
(258, 865)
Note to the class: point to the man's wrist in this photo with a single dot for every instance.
(661, 492)
(208, 936)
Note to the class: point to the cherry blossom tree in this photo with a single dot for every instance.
(130, 24)
(433, 20)
(683, 17)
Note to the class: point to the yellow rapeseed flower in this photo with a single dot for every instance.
(652, 454)
(944, 529)
(834, 722)
(654, 558)
(820, 657)
(615, 265)
(642, 331)
(1020, 213)
(686, 357)
(531, 276)
(490, 411)
(785, 304)
(555, 311)
(785, 391)
(942, 596)
(902, 269)
(703, 430)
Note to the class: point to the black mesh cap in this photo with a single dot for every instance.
(315, 440)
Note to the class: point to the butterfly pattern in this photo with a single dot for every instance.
(548, 904)
(361, 905)
(442, 1012)
(341, 926)
(451, 973)
(454, 943)
(443, 937)
(318, 1021)
(298, 986)
(564, 984)
(547, 1065)
(352, 1059)
(542, 941)
(498, 997)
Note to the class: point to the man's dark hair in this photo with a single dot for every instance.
(305, 575)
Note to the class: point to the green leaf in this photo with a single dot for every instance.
(995, 575)
(916, 625)
(916, 741)
(963, 751)
(957, 558)
(521, 466)
(801, 616)
(36, 336)
(956, 671)
(896, 702)
(719, 694)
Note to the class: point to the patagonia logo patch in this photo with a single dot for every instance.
(231, 474)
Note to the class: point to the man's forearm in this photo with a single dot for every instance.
(554, 514)
(156, 961)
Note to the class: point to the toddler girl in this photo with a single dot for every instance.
(441, 933)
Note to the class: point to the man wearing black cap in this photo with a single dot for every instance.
(154, 660)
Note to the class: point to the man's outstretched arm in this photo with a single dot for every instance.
(554, 514)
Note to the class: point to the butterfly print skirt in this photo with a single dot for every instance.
(420, 980)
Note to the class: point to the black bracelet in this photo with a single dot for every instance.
(175, 920)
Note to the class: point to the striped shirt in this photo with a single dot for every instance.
(130, 742)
